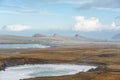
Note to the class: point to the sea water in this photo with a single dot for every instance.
(41, 70)
(10, 46)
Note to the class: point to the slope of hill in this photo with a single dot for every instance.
(13, 39)
(83, 38)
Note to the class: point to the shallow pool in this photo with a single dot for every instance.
(41, 70)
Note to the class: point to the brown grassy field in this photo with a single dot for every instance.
(107, 57)
(98, 75)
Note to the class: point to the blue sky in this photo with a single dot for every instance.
(91, 18)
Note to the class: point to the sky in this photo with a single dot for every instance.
(91, 18)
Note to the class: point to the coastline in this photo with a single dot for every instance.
(95, 55)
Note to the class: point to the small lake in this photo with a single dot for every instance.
(41, 70)
(18, 46)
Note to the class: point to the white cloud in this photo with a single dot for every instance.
(92, 24)
(16, 27)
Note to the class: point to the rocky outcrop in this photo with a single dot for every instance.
(2, 66)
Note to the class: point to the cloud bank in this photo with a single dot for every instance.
(84, 4)
(30, 6)
(16, 28)
(93, 24)
(100, 4)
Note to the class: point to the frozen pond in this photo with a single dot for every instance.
(10, 46)
(42, 70)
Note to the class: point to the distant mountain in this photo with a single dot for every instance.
(116, 37)
(38, 35)
(55, 39)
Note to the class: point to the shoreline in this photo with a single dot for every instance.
(52, 70)
(95, 55)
